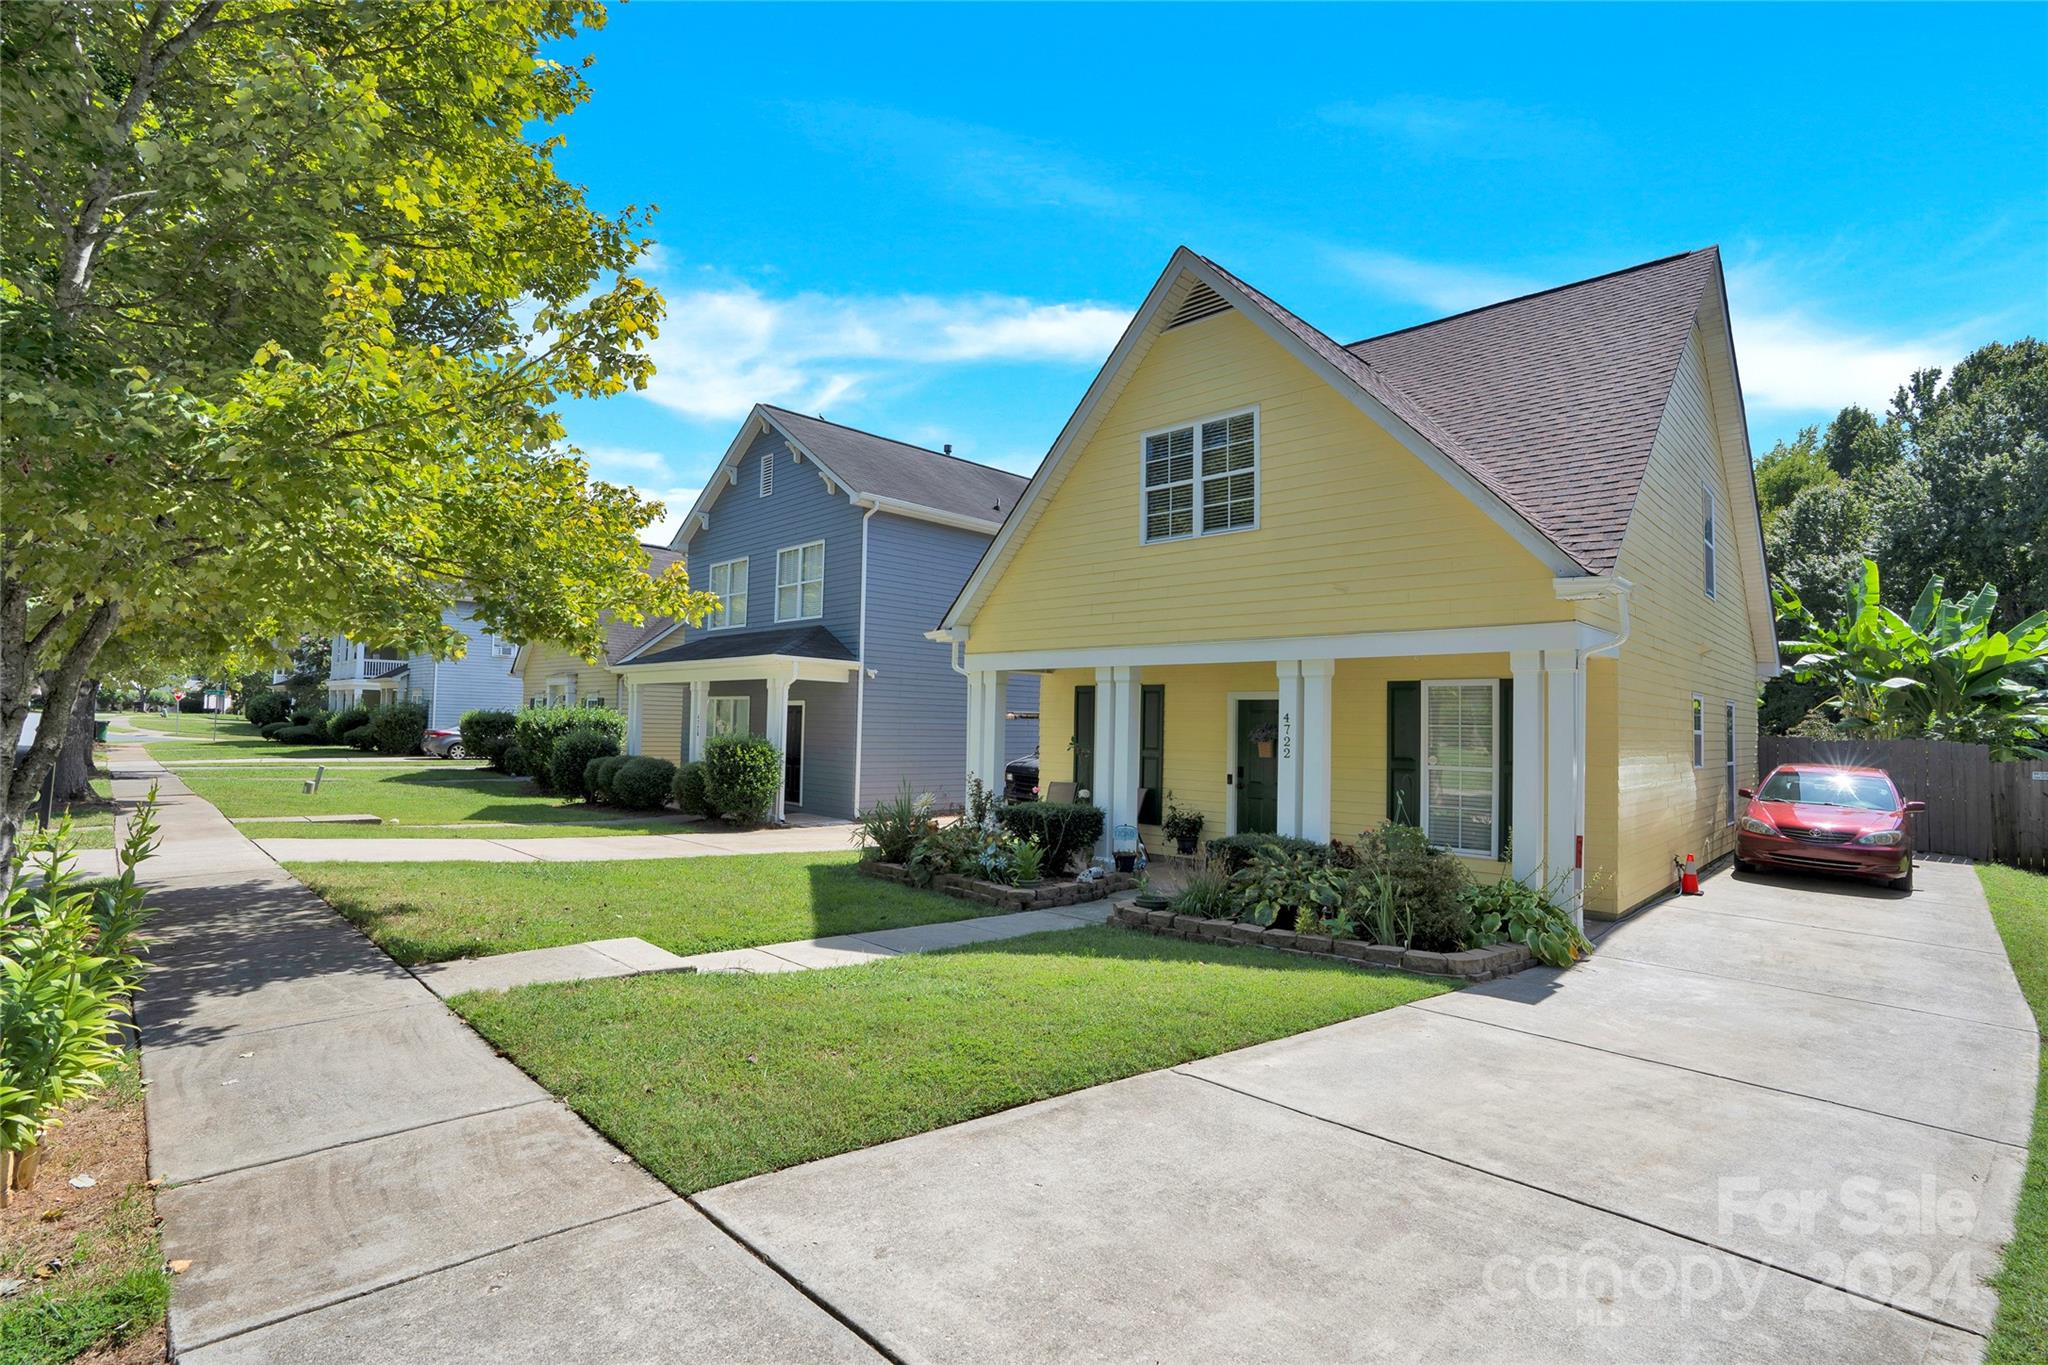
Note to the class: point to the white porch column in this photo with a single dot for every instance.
(987, 703)
(778, 735)
(1564, 773)
(1317, 742)
(1525, 835)
(700, 720)
(632, 716)
(1288, 820)
(1117, 693)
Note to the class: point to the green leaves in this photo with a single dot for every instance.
(1941, 672)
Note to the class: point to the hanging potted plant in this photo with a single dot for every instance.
(1184, 827)
(1264, 738)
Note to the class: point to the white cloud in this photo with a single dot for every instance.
(615, 464)
(676, 504)
(1478, 129)
(1447, 288)
(1795, 361)
(725, 348)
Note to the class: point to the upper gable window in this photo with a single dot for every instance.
(1707, 537)
(800, 582)
(1203, 478)
(729, 583)
(767, 472)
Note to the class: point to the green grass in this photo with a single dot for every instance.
(2019, 903)
(709, 1079)
(113, 1286)
(431, 912)
(403, 797)
(198, 737)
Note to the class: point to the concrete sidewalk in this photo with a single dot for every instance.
(1784, 1122)
(354, 1175)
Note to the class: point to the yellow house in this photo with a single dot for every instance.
(549, 674)
(1499, 575)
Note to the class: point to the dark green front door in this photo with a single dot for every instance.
(1258, 767)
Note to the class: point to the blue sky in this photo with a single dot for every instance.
(933, 221)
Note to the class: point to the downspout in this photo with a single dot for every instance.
(1587, 590)
(860, 680)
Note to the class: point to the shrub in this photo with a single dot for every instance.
(315, 716)
(958, 849)
(363, 736)
(339, 723)
(271, 729)
(597, 778)
(1062, 828)
(1425, 884)
(643, 783)
(397, 728)
(486, 733)
(890, 829)
(513, 761)
(742, 773)
(267, 708)
(1235, 851)
(689, 790)
(573, 750)
(538, 727)
(301, 734)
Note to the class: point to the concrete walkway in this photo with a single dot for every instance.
(354, 1175)
(633, 957)
(1783, 1122)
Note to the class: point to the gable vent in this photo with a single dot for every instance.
(1201, 302)
(767, 473)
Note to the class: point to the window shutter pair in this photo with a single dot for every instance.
(1404, 756)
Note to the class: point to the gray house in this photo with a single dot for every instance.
(368, 675)
(833, 551)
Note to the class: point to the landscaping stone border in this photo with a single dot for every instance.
(1473, 964)
(1044, 896)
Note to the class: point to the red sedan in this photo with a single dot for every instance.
(1816, 818)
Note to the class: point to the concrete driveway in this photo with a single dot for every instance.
(1786, 1121)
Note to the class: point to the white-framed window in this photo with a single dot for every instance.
(767, 472)
(729, 716)
(1710, 579)
(1699, 731)
(1461, 766)
(800, 582)
(1200, 479)
(598, 702)
(502, 648)
(561, 691)
(729, 582)
(1729, 813)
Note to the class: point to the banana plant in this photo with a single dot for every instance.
(1939, 672)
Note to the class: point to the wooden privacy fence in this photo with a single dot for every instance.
(1977, 808)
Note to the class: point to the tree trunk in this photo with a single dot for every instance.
(74, 768)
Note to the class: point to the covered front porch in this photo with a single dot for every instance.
(1479, 736)
(796, 688)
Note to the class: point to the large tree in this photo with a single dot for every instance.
(288, 292)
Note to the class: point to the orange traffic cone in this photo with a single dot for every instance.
(1689, 878)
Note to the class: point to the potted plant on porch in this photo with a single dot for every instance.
(1184, 827)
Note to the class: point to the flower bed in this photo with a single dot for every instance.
(1473, 964)
(1044, 896)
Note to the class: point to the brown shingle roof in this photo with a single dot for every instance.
(1557, 396)
(895, 469)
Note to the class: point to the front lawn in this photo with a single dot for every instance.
(407, 799)
(432, 912)
(2019, 903)
(712, 1078)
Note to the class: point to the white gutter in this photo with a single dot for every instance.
(1592, 589)
(919, 512)
(860, 680)
(955, 636)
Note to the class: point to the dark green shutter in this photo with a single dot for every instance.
(1084, 742)
(1151, 750)
(1506, 776)
(1404, 752)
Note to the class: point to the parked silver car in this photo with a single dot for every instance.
(444, 744)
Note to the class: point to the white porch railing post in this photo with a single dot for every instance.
(1526, 839)
(632, 716)
(1125, 696)
(987, 702)
(1316, 742)
(1288, 818)
(977, 683)
(700, 719)
(778, 735)
(1564, 773)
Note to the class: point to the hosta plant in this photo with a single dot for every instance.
(1280, 888)
(1511, 911)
